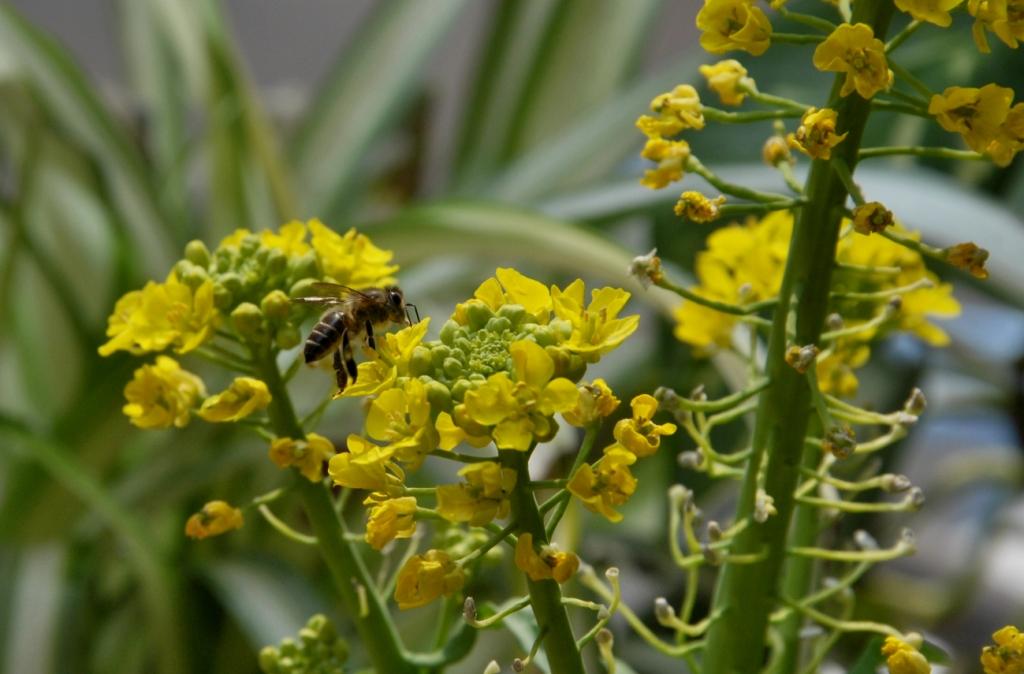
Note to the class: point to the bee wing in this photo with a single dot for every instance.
(329, 294)
(327, 301)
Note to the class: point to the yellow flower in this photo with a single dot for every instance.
(451, 435)
(394, 351)
(481, 498)
(816, 135)
(696, 207)
(520, 411)
(1009, 139)
(509, 286)
(658, 127)
(389, 518)
(671, 157)
(216, 517)
(932, 11)
(1005, 18)
(976, 114)
(234, 239)
(307, 455)
(551, 563)
(733, 24)
(290, 238)
(245, 396)
(835, 368)
(969, 257)
(162, 394)
(854, 50)
(902, 658)
(596, 401)
(871, 217)
(1007, 656)
(596, 328)
(729, 80)
(366, 466)
(351, 259)
(401, 417)
(606, 485)
(426, 577)
(639, 434)
(703, 327)
(682, 103)
(162, 315)
(775, 151)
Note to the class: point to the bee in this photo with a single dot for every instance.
(350, 314)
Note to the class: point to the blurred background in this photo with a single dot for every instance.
(464, 135)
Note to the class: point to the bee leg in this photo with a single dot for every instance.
(350, 361)
(370, 341)
(339, 371)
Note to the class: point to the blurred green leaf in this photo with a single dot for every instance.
(373, 81)
(870, 658)
(31, 641)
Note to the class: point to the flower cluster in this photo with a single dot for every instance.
(902, 658)
(317, 649)
(984, 118)
(854, 50)
(743, 263)
(1007, 656)
(1003, 18)
(733, 24)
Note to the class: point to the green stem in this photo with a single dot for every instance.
(581, 457)
(372, 622)
(915, 151)
(545, 595)
(746, 593)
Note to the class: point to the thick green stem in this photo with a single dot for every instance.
(747, 593)
(372, 622)
(545, 595)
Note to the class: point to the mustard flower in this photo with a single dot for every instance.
(351, 258)
(520, 410)
(394, 352)
(389, 518)
(245, 396)
(835, 368)
(696, 207)
(682, 103)
(733, 24)
(932, 11)
(452, 435)
(607, 484)
(729, 80)
(1007, 656)
(671, 157)
(290, 238)
(401, 417)
(969, 257)
(1009, 138)
(816, 135)
(871, 217)
(596, 402)
(509, 286)
(702, 327)
(976, 114)
(902, 658)
(162, 394)
(162, 315)
(481, 498)
(596, 327)
(366, 466)
(216, 517)
(775, 151)
(550, 563)
(639, 434)
(854, 50)
(308, 455)
(1004, 18)
(426, 577)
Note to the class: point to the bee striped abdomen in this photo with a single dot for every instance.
(325, 336)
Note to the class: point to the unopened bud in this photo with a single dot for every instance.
(197, 253)
(801, 357)
(518, 665)
(605, 638)
(895, 483)
(834, 321)
(908, 540)
(492, 668)
(864, 540)
(915, 498)
(690, 460)
(247, 320)
(275, 305)
(916, 403)
(603, 613)
(764, 506)
(469, 610)
(698, 394)
(775, 151)
(663, 612)
(714, 531)
(840, 441)
(647, 268)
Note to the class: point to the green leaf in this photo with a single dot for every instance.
(936, 654)
(870, 658)
(373, 81)
(30, 643)
(69, 101)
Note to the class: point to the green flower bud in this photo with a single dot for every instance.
(561, 328)
(459, 390)
(544, 336)
(438, 352)
(477, 314)
(304, 266)
(288, 648)
(452, 368)
(223, 260)
(277, 262)
(197, 253)
(448, 332)
(515, 313)
(262, 254)
(249, 246)
(287, 337)
(499, 324)
(308, 637)
(302, 288)
(248, 320)
(477, 377)
(190, 274)
(268, 660)
(421, 361)
(464, 345)
(276, 306)
(438, 394)
(231, 281)
(222, 297)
